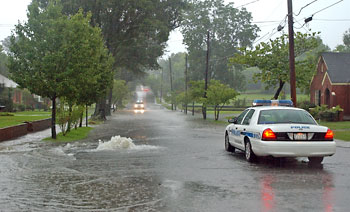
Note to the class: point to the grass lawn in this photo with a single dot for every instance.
(341, 129)
(339, 125)
(225, 112)
(342, 135)
(249, 97)
(20, 117)
(74, 135)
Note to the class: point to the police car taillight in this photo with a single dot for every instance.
(259, 102)
(329, 135)
(268, 135)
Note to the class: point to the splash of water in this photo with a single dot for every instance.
(118, 142)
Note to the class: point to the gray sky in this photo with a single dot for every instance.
(332, 22)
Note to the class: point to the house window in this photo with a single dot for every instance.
(318, 97)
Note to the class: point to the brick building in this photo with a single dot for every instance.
(7, 83)
(331, 84)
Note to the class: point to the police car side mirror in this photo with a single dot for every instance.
(233, 120)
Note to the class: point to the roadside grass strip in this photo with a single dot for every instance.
(74, 135)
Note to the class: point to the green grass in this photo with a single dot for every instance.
(74, 135)
(341, 129)
(225, 112)
(252, 96)
(20, 117)
(340, 125)
(342, 135)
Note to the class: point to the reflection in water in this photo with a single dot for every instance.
(267, 193)
(328, 193)
(315, 186)
(139, 111)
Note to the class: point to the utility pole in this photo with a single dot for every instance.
(186, 82)
(291, 54)
(161, 87)
(204, 107)
(171, 84)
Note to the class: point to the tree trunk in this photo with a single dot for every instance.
(109, 102)
(100, 109)
(279, 89)
(81, 118)
(204, 111)
(53, 118)
(192, 108)
(70, 118)
(86, 116)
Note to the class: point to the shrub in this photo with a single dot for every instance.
(20, 107)
(322, 112)
(306, 105)
(6, 114)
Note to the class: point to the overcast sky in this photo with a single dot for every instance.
(331, 22)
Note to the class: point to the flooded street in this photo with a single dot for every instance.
(174, 162)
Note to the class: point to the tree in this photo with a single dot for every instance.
(120, 92)
(229, 27)
(345, 47)
(54, 55)
(135, 32)
(218, 95)
(3, 61)
(272, 58)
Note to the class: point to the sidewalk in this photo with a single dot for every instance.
(342, 144)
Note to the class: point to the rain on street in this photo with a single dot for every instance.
(173, 163)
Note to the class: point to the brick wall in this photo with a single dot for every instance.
(9, 133)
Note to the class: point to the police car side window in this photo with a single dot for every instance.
(240, 117)
(248, 117)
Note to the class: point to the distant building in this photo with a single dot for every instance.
(7, 83)
(331, 84)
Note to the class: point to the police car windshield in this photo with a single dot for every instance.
(285, 116)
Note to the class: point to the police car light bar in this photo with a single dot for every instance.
(259, 102)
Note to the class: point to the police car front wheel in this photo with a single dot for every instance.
(228, 146)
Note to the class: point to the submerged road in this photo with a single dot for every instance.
(174, 163)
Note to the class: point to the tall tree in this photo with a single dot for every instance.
(3, 61)
(272, 58)
(53, 55)
(135, 32)
(229, 28)
(345, 47)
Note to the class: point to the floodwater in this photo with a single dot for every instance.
(161, 160)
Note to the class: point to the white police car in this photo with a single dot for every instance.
(278, 130)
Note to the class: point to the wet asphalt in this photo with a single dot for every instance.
(180, 165)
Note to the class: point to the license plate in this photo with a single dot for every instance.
(299, 136)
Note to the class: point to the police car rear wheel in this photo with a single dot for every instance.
(249, 154)
(228, 146)
(315, 160)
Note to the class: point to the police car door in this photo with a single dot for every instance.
(235, 130)
(245, 127)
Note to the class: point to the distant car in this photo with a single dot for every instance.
(279, 131)
(139, 105)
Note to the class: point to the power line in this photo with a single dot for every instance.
(331, 19)
(247, 3)
(305, 6)
(327, 7)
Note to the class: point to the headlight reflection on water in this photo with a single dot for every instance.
(139, 111)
